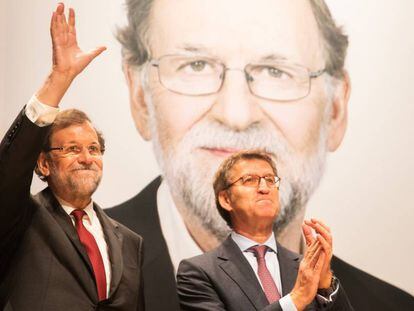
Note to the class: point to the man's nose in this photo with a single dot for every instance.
(263, 187)
(235, 106)
(85, 157)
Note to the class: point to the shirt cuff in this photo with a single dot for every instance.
(40, 114)
(286, 303)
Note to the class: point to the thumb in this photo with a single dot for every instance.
(90, 55)
(95, 52)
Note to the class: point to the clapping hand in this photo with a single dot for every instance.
(323, 235)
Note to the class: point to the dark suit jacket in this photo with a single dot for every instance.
(223, 279)
(365, 292)
(43, 265)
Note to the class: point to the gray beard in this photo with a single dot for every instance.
(79, 187)
(191, 179)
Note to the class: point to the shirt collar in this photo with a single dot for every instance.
(245, 243)
(69, 209)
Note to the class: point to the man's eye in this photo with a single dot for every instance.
(198, 65)
(93, 149)
(72, 149)
(276, 73)
(248, 179)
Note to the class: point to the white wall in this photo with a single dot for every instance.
(366, 193)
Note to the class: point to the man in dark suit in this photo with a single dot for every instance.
(58, 249)
(250, 270)
(210, 80)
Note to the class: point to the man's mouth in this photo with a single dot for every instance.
(221, 152)
(83, 170)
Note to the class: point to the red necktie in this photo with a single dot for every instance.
(88, 241)
(265, 277)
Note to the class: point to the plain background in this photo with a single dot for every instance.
(366, 193)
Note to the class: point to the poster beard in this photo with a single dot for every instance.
(189, 169)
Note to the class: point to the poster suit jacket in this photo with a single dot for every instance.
(365, 292)
(43, 265)
(223, 279)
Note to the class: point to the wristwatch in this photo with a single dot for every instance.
(326, 292)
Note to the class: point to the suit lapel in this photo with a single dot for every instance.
(113, 239)
(236, 266)
(288, 265)
(74, 258)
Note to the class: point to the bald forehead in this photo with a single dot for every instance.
(228, 29)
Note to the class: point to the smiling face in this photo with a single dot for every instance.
(73, 176)
(250, 207)
(193, 134)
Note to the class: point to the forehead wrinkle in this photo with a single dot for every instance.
(195, 49)
(202, 49)
(232, 20)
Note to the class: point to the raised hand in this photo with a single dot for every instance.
(307, 281)
(68, 58)
(324, 237)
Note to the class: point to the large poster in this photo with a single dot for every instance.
(366, 188)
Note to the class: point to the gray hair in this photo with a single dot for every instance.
(135, 43)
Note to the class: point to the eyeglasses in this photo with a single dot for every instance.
(253, 181)
(198, 75)
(75, 150)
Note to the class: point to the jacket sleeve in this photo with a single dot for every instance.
(19, 151)
(340, 302)
(195, 290)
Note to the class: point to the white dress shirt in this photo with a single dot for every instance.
(272, 264)
(180, 243)
(39, 113)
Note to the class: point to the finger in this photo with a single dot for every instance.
(65, 26)
(314, 220)
(60, 8)
(315, 256)
(53, 21)
(320, 262)
(71, 21)
(307, 233)
(327, 247)
(321, 230)
(311, 250)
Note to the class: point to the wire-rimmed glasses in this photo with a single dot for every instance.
(276, 80)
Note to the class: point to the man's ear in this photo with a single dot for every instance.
(224, 200)
(43, 166)
(138, 106)
(339, 115)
